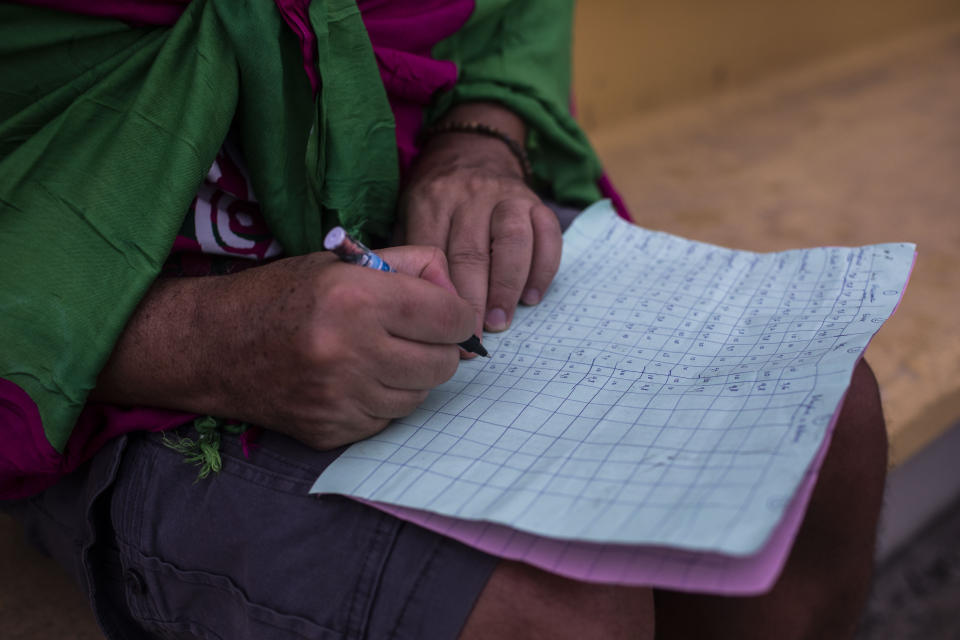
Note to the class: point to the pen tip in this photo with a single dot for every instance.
(472, 344)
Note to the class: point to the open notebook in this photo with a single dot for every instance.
(659, 418)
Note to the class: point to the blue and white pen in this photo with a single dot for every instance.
(355, 252)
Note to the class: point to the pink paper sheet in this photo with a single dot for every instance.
(662, 567)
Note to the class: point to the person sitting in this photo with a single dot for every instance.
(167, 172)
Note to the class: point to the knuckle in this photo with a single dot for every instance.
(371, 426)
(404, 403)
(448, 320)
(437, 255)
(509, 282)
(406, 308)
(416, 399)
(514, 227)
(471, 255)
(435, 189)
(343, 295)
(547, 219)
(481, 181)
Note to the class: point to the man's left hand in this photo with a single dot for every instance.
(467, 196)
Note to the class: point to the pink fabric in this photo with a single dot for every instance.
(607, 190)
(295, 14)
(29, 464)
(139, 11)
(403, 33)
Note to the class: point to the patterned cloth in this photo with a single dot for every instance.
(224, 230)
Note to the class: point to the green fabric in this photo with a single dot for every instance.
(106, 132)
(517, 53)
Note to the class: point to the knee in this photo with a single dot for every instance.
(523, 602)
(860, 436)
(846, 503)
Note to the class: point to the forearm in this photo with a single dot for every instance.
(162, 357)
(320, 350)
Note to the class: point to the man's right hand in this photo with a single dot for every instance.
(323, 351)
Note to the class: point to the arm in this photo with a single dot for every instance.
(323, 351)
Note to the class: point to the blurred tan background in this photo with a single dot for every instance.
(632, 56)
(772, 125)
(764, 126)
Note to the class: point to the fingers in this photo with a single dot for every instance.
(547, 250)
(526, 246)
(468, 255)
(388, 404)
(411, 365)
(423, 224)
(424, 262)
(511, 252)
(420, 311)
(502, 244)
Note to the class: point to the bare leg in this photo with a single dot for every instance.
(825, 583)
(520, 601)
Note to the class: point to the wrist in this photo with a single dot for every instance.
(491, 114)
(503, 145)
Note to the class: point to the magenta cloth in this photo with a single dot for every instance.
(137, 11)
(295, 14)
(635, 566)
(403, 32)
(29, 464)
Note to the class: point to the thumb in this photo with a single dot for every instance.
(426, 263)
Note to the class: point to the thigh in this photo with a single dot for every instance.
(824, 585)
(521, 601)
(248, 553)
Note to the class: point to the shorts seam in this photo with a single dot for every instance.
(359, 616)
(415, 589)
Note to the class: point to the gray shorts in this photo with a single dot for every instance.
(246, 553)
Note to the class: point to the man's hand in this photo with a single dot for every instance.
(467, 197)
(324, 351)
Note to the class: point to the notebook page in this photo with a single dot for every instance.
(664, 392)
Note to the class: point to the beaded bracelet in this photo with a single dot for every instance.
(486, 130)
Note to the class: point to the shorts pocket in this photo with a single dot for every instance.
(185, 605)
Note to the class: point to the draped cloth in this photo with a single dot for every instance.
(113, 111)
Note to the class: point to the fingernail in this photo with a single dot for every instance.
(531, 296)
(496, 320)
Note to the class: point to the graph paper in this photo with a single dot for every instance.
(634, 565)
(665, 392)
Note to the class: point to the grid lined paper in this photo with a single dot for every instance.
(665, 392)
(634, 565)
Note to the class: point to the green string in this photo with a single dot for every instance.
(204, 452)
